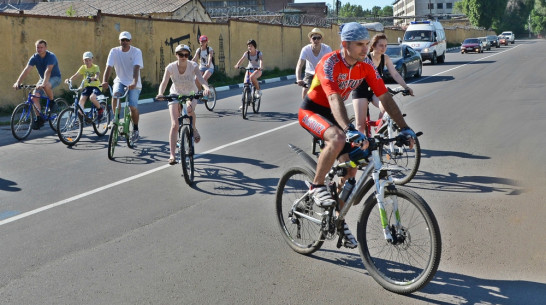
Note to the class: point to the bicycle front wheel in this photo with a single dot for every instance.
(113, 141)
(403, 160)
(299, 218)
(410, 261)
(100, 125)
(69, 127)
(56, 108)
(130, 130)
(186, 154)
(210, 102)
(21, 121)
(246, 101)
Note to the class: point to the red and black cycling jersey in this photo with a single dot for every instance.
(334, 75)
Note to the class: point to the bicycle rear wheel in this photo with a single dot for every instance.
(410, 261)
(186, 154)
(303, 235)
(113, 141)
(69, 127)
(246, 101)
(58, 105)
(21, 121)
(405, 160)
(210, 102)
(101, 125)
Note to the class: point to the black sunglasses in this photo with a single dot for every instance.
(125, 39)
(183, 54)
(316, 37)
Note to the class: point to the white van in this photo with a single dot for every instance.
(428, 38)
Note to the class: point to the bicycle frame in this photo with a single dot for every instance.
(77, 96)
(30, 102)
(124, 128)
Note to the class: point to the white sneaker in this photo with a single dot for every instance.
(134, 136)
(240, 107)
(258, 93)
(322, 197)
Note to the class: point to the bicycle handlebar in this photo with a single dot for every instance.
(404, 92)
(248, 69)
(26, 87)
(179, 98)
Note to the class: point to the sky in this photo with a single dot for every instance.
(366, 4)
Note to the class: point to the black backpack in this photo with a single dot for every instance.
(208, 52)
(257, 54)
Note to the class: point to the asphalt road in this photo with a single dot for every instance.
(77, 228)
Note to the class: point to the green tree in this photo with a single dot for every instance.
(516, 16)
(483, 13)
(387, 11)
(349, 10)
(538, 18)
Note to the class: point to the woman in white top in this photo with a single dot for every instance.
(203, 56)
(310, 55)
(255, 61)
(182, 73)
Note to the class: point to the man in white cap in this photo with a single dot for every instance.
(310, 56)
(127, 61)
(323, 112)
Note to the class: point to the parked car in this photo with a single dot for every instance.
(503, 40)
(486, 44)
(510, 36)
(471, 45)
(406, 61)
(494, 40)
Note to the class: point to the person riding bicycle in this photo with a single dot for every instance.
(203, 56)
(255, 61)
(363, 94)
(182, 73)
(323, 112)
(310, 56)
(47, 65)
(90, 73)
(127, 62)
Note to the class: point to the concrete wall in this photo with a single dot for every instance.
(69, 37)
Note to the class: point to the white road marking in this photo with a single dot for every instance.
(91, 192)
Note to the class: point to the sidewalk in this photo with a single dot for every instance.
(5, 119)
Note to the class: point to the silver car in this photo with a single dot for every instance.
(486, 44)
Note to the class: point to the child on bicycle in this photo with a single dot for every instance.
(90, 73)
(255, 61)
(182, 73)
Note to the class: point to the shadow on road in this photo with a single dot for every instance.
(454, 288)
(213, 177)
(9, 186)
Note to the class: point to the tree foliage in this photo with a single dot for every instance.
(538, 18)
(350, 10)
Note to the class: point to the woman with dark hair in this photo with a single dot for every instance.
(255, 62)
(363, 95)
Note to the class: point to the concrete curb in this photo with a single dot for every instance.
(225, 88)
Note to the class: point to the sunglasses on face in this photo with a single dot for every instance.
(124, 39)
(187, 55)
(316, 38)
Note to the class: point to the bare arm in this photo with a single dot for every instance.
(395, 75)
(164, 82)
(200, 78)
(240, 60)
(71, 77)
(22, 77)
(338, 110)
(392, 109)
(106, 77)
(136, 73)
(299, 67)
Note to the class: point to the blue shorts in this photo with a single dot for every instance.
(54, 81)
(211, 70)
(119, 89)
(87, 91)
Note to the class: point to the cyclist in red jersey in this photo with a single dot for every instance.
(323, 112)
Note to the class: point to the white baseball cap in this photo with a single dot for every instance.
(124, 35)
(87, 55)
(181, 47)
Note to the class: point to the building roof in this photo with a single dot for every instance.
(90, 7)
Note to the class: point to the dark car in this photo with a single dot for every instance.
(494, 41)
(406, 61)
(471, 45)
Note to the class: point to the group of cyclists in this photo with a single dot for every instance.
(330, 78)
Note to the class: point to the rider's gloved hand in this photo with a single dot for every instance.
(354, 136)
(407, 133)
(358, 153)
